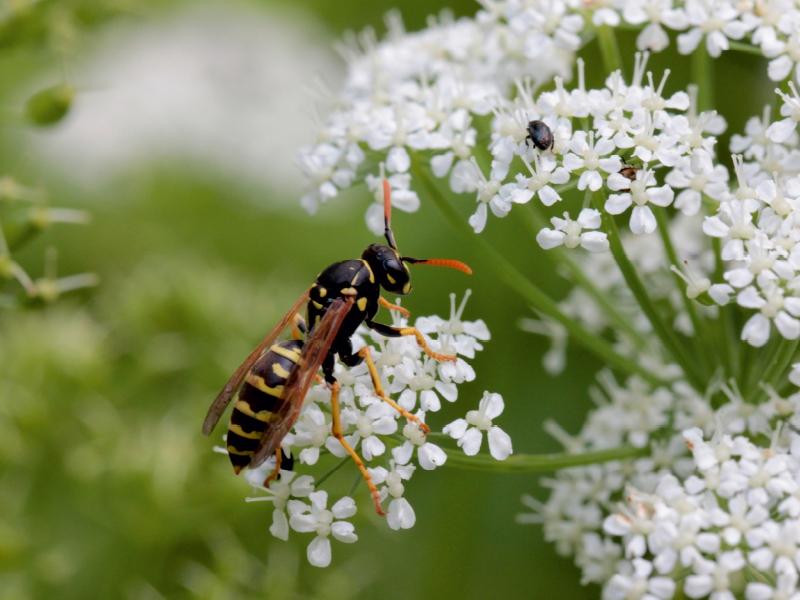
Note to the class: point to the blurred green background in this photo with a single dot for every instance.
(107, 488)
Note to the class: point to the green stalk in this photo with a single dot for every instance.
(746, 48)
(561, 256)
(609, 50)
(777, 367)
(537, 463)
(703, 76)
(661, 329)
(758, 361)
(359, 478)
(331, 471)
(700, 331)
(726, 336)
(508, 273)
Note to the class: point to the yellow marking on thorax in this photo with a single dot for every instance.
(244, 407)
(390, 278)
(253, 435)
(371, 274)
(259, 383)
(355, 279)
(316, 304)
(350, 291)
(406, 288)
(279, 370)
(292, 355)
(362, 304)
(322, 292)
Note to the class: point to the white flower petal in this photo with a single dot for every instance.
(319, 552)
(343, 531)
(470, 442)
(499, 443)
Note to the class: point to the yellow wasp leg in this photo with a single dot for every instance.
(423, 344)
(386, 304)
(277, 469)
(298, 327)
(336, 430)
(376, 383)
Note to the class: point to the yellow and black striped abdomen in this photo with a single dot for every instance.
(258, 399)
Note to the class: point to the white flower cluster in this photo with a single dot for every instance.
(371, 426)
(731, 527)
(723, 520)
(417, 92)
(632, 123)
(757, 223)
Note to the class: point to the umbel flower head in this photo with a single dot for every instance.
(372, 426)
(686, 283)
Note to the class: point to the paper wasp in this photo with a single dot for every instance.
(275, 377)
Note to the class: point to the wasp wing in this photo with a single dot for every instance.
(314, 352)
(224, 397)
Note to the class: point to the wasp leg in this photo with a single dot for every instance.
(393, 332)
(299, 327)
(376, 383)
(386, 304)
(277, 470)
(336, 430)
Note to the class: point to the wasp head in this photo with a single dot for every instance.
(388, 267)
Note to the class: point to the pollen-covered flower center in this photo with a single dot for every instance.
(639, 192)
(773, 305)
(573, 234)
(712, 24)
(479, 420)
(414, 434)
(591, 160)
(394, 485)
(487, 191)
(364, 426)
(760, 264)
(538, 181)
(423, 381)
(699, 182)
(324, 520)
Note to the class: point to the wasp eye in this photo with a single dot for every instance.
(396, 276)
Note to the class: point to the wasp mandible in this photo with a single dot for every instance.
(275, 377)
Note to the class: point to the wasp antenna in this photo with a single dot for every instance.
(387, 214)
(439, 262)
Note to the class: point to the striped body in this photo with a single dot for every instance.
(259, 400)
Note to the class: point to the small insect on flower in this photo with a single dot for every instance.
(276, 376)
(628, 172)
(541, 136)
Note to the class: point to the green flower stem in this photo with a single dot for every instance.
(701, 334)
(726, 334)
(537, 463)
(508, 273)
(746, 48)
(661, 329)
(359, 478)
(609, 50)
(561, 256)
(331, 471)
(777, 368)
(703, 76)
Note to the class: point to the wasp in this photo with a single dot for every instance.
(277, 375)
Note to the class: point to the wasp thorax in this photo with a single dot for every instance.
(390, 271)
